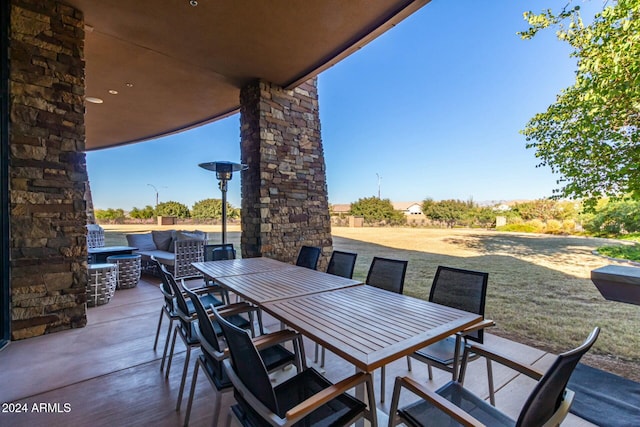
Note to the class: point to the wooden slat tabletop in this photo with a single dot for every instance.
(368, 326)
(235, 267)
(273, 285)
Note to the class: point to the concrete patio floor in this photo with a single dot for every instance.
(108, 373)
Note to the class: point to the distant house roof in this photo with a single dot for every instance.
(404, 206)
(341, 208)
(408, 208)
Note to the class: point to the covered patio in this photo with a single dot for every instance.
(108, 374)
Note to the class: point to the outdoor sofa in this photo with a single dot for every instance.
(176, 249)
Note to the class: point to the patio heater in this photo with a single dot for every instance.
(224, 172)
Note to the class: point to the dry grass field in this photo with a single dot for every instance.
(539, 290)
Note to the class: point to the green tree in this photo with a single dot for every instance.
(614, 217)
(373, 209)
(172, 208)
(590, 134)
(451, 212)
(110, 215)
(146, 213)
(212, 208)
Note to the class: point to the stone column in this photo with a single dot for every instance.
(47, 172)
(284, 191)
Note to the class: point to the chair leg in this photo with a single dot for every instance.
(430, 371)
(393, 410)
(492, 396)
(216, 411)
(409, 363)
(322, 357)
(155, 343)
(371, 400)
(173, 345)
(166, 344)
(184, 377)
(229, 415)
(383, 375)
(192, 391)
(317, 350)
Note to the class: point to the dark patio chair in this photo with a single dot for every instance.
(307, 398)
(218, 252)
(273, 353)
(387, 274)
(340, 264)
(185, 326)
(169, 308)
(452, 404)
(308, 257)
(465, 290)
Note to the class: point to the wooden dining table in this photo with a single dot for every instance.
(366, 326)
(241, 266)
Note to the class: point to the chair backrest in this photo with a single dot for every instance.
(181, 303)
(548, 393)
(95, 236)
(462, 289)
(219, 252)
(165, 287)
(247, 363)
(342, 264)
(206, 330)
(308, 257)
(387, 274)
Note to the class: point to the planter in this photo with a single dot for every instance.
(618, 283)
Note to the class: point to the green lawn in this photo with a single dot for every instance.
(539, 293)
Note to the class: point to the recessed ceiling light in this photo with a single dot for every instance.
(129, 84)
(93, 100)
(193, 3)
(113, 91)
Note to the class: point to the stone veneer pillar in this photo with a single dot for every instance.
(47, 169)
(284, 191)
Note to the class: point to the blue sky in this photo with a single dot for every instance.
(434, 107)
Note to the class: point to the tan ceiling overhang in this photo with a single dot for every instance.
(176, 66)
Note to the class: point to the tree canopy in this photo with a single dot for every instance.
(212, 208)
(373, 209)
(146, 213)
(590, 134)
(172, 208)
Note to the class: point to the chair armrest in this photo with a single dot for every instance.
(505, 360)
(435, 399)
(487, 323)
(236, 308)
(312, 403)
(268, 340)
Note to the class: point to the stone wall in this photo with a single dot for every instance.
(284, 191)
(47, 170)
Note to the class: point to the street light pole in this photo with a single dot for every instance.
(156, 190)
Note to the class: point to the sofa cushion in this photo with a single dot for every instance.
(162, 239)
(164, 257)
(144, 241)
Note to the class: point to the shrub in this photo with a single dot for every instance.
(172, 208)
(375, 210)
(553, 226)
